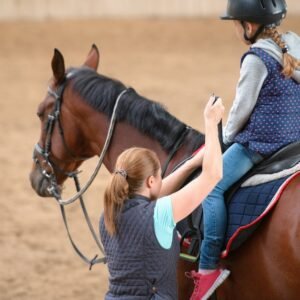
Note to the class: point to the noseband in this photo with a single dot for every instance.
(49, 173)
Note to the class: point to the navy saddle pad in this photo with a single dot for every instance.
(248, 207)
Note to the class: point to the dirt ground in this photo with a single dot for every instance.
(176, 62)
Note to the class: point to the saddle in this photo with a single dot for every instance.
(191, 228)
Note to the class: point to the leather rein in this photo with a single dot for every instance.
(49, 173)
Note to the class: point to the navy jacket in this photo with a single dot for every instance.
(275, 120)
(139, 267)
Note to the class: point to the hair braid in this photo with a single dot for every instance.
(290, 63)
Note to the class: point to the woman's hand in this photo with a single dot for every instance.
(213, 112)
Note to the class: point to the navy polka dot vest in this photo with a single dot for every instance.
(139, 267)
(275, 120)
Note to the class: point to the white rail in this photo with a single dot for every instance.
(62, 9)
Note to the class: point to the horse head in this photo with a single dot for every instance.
(76, 115)
(64, 143)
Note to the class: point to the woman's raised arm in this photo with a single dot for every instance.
(189, 197)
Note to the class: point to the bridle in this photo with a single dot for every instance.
(49, 173)
(53, 117)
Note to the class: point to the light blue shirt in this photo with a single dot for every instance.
(164, 223)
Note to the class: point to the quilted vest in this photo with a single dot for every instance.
(275, 120)
(139, 267)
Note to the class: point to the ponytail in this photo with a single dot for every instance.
(133, 167)
(290, 63)
(114, 195)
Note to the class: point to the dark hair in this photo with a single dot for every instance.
(132, 168)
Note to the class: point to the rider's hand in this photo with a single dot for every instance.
(213, 112)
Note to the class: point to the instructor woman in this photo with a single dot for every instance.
(141, 211)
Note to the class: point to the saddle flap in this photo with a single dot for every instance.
(285, 158)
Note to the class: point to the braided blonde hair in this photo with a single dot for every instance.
(290, 63)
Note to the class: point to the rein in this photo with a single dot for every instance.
(54, 188)
(176, 147)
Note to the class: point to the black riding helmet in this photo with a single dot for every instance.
(264, 12)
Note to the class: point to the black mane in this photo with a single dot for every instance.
(148, 116)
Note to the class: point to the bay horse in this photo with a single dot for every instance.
(267, 266)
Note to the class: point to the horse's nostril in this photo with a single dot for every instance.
(46, 174)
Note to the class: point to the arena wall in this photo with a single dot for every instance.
(62, 9)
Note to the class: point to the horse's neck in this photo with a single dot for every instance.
(190, 143)
(95, 129)
(126, 136)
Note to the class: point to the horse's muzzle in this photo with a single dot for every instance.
(40, 183)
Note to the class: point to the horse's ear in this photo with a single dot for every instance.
(58, 67)
(93, 58)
